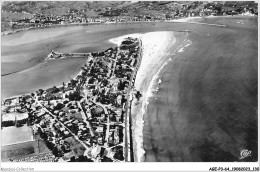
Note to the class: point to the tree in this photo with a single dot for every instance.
(138, 95)
(41, 91)
(63, 88)
(73, 82)
(49, 96)
(59, 106)
(53, 90)
(84, 73)
(75, 96)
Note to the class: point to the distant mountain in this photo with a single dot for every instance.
(89, 8)
(14, 10)
(94, 8)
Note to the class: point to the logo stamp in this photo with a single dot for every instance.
(245, 153)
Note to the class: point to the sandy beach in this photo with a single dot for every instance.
(158, 49)
(180, 115)
(197, 86)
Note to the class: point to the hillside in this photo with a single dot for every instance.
(95, 8)
(92, 8)
(21, 10)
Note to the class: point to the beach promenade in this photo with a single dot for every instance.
(165, 79)
(160, 82)
(157, 48)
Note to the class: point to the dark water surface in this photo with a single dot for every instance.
(24, 50)
(206, 106)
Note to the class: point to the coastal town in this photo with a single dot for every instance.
(84, 120)
(129, 81)
(150, 12)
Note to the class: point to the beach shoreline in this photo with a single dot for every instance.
(194, 62)
(193, 19)
(158, 49)
(187, 19)
(175, 45)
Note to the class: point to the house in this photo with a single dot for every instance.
(95, 151)
(100, 129)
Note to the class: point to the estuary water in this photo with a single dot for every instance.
(205, 108)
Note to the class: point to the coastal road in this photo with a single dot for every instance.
(211, 115)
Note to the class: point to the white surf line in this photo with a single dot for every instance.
(180, 48)
(156, 80)
(200, 23)
(220, 25)
(154, 87)
(185, 43)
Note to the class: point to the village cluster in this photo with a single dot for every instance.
(84, 119)
(114, 15)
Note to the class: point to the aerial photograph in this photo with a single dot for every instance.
(129, 81)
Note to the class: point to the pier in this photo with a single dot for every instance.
(59, 55)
